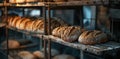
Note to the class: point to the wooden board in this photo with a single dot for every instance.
(97, 49)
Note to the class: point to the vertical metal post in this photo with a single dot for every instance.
(82, 18)
(23, 12)
(49, 32)
(96, 17)
(45, 32)
(81, 54)
(41, 41)
(6, 31)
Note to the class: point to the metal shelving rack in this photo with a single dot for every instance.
(47, 37)
(5, 5)
(98, 49)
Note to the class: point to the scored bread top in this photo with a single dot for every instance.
(68, 33)
(22, 24)
(15, 20)
(92, 37)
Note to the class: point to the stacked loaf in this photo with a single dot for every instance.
(68, 33)
(32, 24)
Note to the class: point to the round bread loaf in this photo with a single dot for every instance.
(59, 31)
(26, 55)
(71, 33)
(38, 54)
(22, 24)
(64, 56)
(11, 20)
(28, 26)
(13, 23)
(92, 37)
(18, 23)
(36, 24)
(41, 25)
(68, 33)
(11, 44)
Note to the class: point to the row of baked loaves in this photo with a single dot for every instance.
(76, 33)
(33, 24)
(22, 1)
(37, 55)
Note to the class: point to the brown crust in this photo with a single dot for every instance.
(92, 37)
(71, 34)
(15, 20)
(67, 33)
(10, 20)
(35, 26)
(22, 24)
(29, 25)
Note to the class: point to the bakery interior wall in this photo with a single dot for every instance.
(68, 16)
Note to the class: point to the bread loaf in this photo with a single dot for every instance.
(35, 27)
(92, 37)
(33, 24)
(59, 31)
(26, 55)
(11, 44)
(8, 19)
(18, 23)
(68, 33)
(38, 54)
(15, 19)
(28, 25)
(64, 56)
(11, 20)
(22, 24)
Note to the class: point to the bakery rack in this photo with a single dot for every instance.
(5, 5)
(99, 49)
